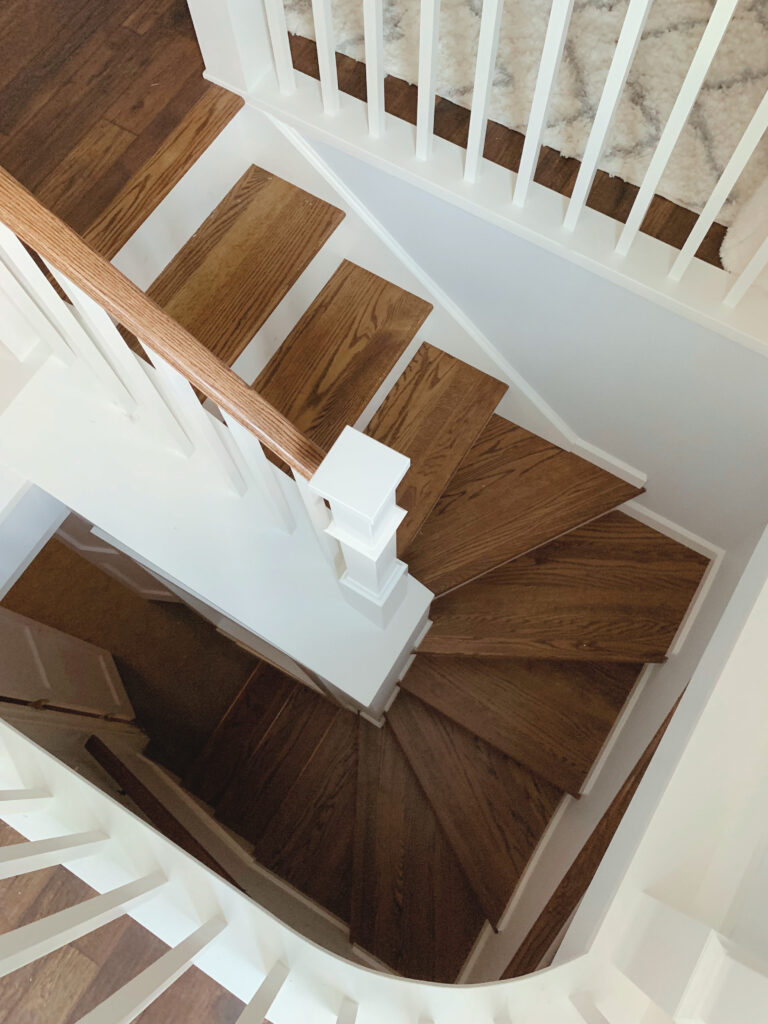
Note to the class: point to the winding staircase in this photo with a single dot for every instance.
(549, 600)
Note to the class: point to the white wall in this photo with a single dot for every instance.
(677, 401)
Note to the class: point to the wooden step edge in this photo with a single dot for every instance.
(369, 743)
(495, 648)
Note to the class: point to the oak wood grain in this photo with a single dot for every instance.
(512, 492)
(613, 590)
(340, 352)
(433, 414)
(552, 716)
(493, 810)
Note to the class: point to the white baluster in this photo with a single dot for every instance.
(21, 858)
(261, 472)
(485, 68)
(551, 56)
(132, 999)
(326, 55)
(16, 801)
(23, 945)
(347, 1012)
(24, 324)
(624, 54)
(258, 1008)
(373, 29)
(429, 34)
(748, 276)
(320, 518)
(281, 49)
(689, 90)
(359, 478)
(744, 150)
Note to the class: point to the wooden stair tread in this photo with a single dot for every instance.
(551, 716)
(433, 415)
(334, 361)
(412, 906)
(613, 590)
(492, 809)
(309, 840)
(226, 280)
(513, 492)
(240, 730)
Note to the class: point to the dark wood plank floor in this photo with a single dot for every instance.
(665, 220)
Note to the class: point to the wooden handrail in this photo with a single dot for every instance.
(64, 249)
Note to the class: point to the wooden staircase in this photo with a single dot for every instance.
(549, 602)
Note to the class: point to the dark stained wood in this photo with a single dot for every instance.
(153, 810)
(610, 195)
(309, 840)
(613, 590)
(513, 492)
(552, 716)
(340, 352)
(226, 280)
(493, 811)
(433, 414)
(576, 880)
(412, 905)
(239, 732)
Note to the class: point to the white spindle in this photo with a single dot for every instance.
(373, 28)
(748, 276)
(258, 1008)
(23, 945)
(347, 1012)
(132, 999)
(623, 55)
(551, 56)
(261, 472)
(429, 34)
(694, 79)
(744, 150)
(21, 858)
(485, 68)
(281, 50)
(320, 518)
(359, 478)
(326, 54)
(25, 325)
(16, 801)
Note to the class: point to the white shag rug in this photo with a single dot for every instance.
(733, 89)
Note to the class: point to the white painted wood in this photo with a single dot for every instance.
(13, 801)
(258, 1008)
(132, 999)
(624, 54)
(585, 1004)
(233, 37)
(429, 35)
(24, 327)
(281, 50)
(21, 858)
(744, 150)
(748, 276)
(347, 1012)
(318, 516)
(689, 90)
(261, 472)
(549, 65)
(29, 517)
(326, 55)
(373, 28)
(21, 946)
(485, 69)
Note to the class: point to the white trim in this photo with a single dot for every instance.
(466, 969)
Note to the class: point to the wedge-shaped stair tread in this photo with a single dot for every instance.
(613, 590)
(237, 267)
(513, 492)
(334, 361)
(552, 716)
(412, 905)
(239, 732)
(493, 811)
(309, 840)
(433, 414)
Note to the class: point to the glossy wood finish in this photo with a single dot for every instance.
(552, 716)
(492, 810)
(614, 590)
(412, 905)
(226, 280)
(340, 352)
(433, 414)
(513, 492)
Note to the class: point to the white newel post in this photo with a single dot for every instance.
(359, 478)
(234, 39)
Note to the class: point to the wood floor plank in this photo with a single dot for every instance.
(433, 415)
(492, 809)
(308, 842)
(413, 907)
(513, 492)
(227, 279)
(552, 716)
(341, 351)
(614, 590)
